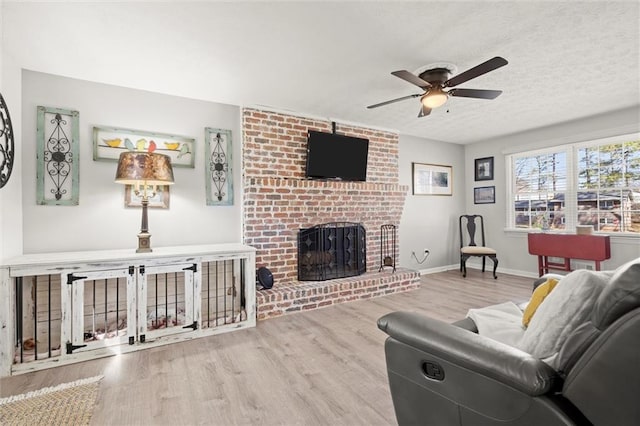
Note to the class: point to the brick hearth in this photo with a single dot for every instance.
(279, 201)
(301, 296)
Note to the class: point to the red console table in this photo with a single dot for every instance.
(568, 246)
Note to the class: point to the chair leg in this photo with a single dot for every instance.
(463, 265)
(495, 266)
(484, 259)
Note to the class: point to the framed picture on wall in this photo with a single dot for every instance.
(160, 200)
(484, 168)
(484, 195)
(109, 142)
(432, 179)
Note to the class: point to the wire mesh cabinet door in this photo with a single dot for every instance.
(167, 302)
(98, 309)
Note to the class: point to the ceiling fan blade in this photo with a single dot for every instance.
(483, 68)
(411, 78)
(475, 93)
(424, 111)
(393, 100)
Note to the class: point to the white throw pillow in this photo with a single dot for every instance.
(569, 305)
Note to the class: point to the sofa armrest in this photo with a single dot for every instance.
(466, 349)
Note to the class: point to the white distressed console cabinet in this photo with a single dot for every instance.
(60, 308)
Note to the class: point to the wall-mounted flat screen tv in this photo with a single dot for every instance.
(333, 156)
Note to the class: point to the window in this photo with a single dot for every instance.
(540, 188)
(595, 183)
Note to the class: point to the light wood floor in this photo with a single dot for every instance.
(322, 367)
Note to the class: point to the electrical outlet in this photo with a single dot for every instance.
(583, 265)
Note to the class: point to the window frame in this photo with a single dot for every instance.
(571, 192)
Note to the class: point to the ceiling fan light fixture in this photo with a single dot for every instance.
(434, 98)
(436, 77)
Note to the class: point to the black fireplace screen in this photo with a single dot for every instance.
(331, 250)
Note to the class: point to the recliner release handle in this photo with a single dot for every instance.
(433, 370)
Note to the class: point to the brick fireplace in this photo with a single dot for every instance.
(279, 201)
(332, 250)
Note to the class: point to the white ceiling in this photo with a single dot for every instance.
(567, 60)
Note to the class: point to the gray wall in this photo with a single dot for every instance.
(512, 245)
(431, 221)
(101, 221)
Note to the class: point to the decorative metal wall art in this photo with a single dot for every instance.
(218, 167)
(7, 152)
(109, 142)
(58, 157)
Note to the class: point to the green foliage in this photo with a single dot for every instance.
(610, 166)
(607, 185)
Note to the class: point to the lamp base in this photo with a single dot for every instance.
(144, 242)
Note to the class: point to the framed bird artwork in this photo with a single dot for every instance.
(109, 142)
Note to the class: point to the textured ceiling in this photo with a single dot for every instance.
(567, 60)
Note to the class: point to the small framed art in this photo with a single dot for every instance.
(484, 168)
(484, 195)
(432, 179)
(160, 200)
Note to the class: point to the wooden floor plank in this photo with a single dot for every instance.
(321, 367)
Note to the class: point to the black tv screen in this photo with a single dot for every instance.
(333, 156)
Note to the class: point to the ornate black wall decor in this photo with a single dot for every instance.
(7, 152)
(58, 159)
(218, 166)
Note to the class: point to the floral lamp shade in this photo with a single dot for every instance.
(150, 168)
(144, 169)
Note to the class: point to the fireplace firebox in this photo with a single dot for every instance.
(331, 250)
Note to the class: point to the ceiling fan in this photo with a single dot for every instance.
(435, 81)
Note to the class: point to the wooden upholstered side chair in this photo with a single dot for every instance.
(470, 247)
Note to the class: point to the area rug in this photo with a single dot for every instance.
(65, 404)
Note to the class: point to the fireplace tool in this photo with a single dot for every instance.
(387, 247)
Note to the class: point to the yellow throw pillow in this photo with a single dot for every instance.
(539, 294)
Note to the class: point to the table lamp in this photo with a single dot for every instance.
(144, 169)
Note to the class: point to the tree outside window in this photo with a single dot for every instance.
(605, 192)
(540, 186)
(609, 187)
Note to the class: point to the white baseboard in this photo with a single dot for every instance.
(479, 267)
(502, 270)
(438, 269)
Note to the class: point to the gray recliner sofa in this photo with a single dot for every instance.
(447, 374)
